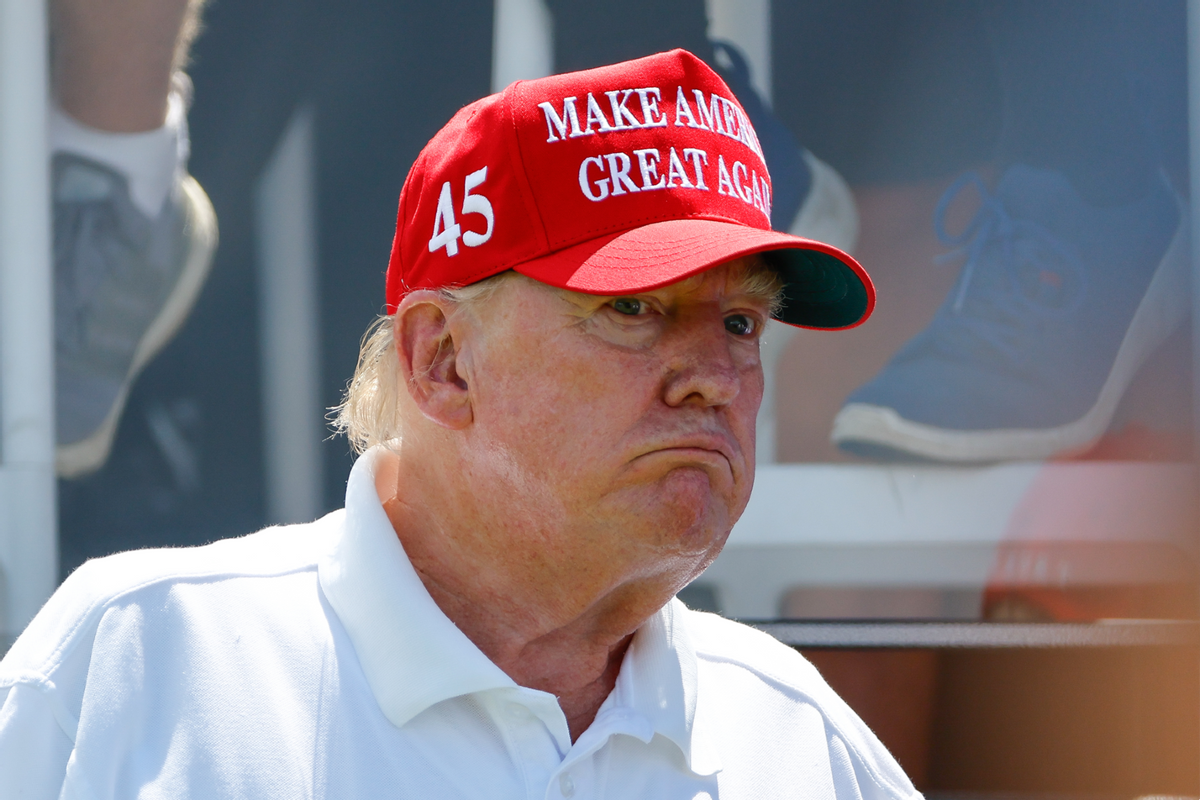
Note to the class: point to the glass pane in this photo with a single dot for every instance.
(1009, 436)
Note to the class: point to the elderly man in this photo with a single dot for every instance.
(558, 419)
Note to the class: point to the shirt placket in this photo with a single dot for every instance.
(533, 747)
(574, 780)
(576, 777)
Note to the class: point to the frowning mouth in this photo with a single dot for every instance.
(700, 449)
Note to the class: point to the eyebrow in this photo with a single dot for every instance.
(755, 278)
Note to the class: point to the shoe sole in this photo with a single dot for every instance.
(1163, 307)
(87, 455)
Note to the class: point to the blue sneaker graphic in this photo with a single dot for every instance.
(1057, 305)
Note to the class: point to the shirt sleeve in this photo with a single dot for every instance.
(34, 749)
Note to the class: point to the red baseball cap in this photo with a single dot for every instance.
(609, 181)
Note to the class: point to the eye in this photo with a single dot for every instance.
(740, 325)
(630, 306)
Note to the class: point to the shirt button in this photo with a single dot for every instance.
(518, 711)
(566, 785)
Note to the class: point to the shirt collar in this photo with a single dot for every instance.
(413, 656)
(658, 680)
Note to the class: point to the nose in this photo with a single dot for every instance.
(703, 368)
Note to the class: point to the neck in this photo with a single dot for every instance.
(547, 626)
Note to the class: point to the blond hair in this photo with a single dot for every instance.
(370, 411)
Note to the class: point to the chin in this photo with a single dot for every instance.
(692, 516)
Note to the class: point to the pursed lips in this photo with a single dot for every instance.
(712, 443)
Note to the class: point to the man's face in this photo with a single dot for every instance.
(617, 431)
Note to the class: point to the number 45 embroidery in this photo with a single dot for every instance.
(447, 231)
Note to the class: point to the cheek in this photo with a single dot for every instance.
(560, 405)
(750, 393)
(752, 377)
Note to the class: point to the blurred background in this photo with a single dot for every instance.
(1008, 440)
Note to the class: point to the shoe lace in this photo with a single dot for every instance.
(1042, 273)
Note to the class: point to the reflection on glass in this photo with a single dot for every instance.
(1007, 439)
(1019, 177)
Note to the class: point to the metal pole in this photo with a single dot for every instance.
(285, 227)
(746, 23)
(522, 42)
(28, 516)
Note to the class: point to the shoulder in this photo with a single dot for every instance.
(720, 640)
(715, 637)
(762, 678)
(73, 612)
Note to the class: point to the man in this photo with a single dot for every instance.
(559, 410)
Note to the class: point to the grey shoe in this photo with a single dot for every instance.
(123, 286)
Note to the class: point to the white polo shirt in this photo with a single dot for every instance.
(309, 662)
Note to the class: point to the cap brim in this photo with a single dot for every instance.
(823, 287)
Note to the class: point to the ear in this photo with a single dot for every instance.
(429, 359)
